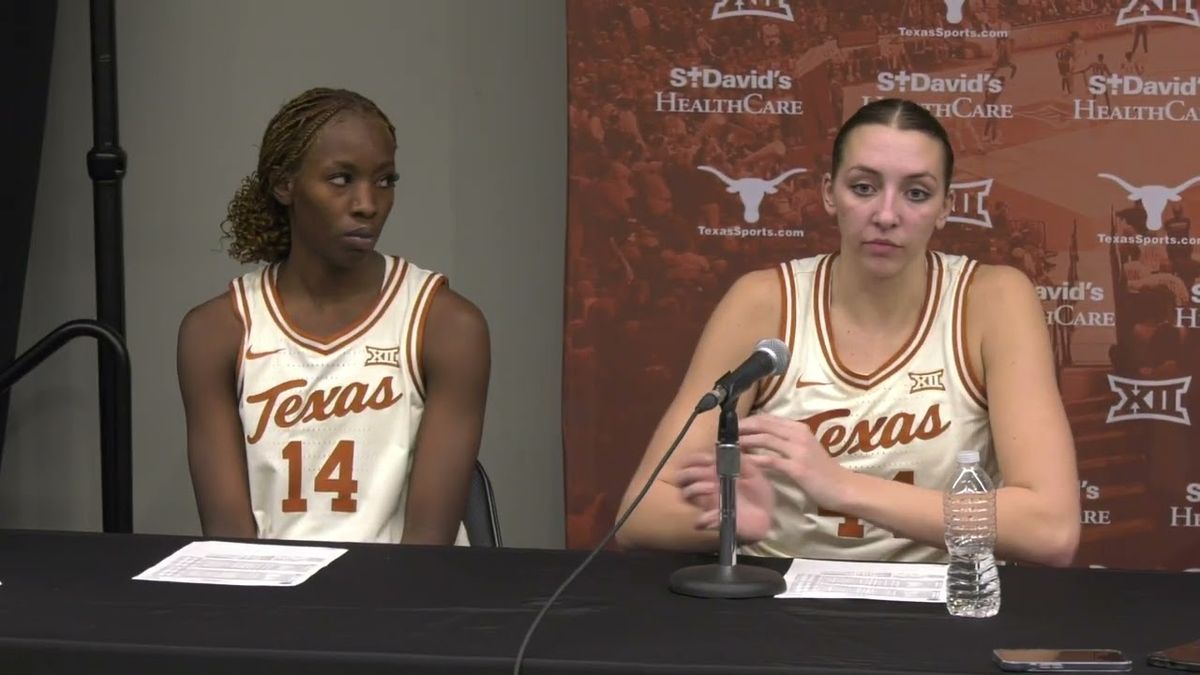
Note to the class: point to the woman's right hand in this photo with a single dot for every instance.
(699, 485)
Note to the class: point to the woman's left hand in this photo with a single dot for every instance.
(793, 451)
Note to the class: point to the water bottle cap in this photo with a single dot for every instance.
(968, 456)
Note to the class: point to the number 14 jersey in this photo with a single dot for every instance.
(330, 423)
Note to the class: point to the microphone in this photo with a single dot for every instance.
(770, 357)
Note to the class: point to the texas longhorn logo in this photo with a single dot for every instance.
(1167, 11)
(770, 9)
(1154, 198)
(751, 190)
(1149, 400)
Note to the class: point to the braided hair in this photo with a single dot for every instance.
(256, 224)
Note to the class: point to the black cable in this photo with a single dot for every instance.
(616, 526)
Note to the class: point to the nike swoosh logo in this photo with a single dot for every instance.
(251, 354)
(800, 384)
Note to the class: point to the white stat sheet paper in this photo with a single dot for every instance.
(238, 564)
(902, 582)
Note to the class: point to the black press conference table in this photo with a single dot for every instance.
(68, 605)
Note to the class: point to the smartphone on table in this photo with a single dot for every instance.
(1179, 657)
(1061, 660)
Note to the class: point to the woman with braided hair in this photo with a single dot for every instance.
(335, 393)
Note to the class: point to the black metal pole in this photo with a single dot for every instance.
(729, 467)
(106, 166)
(725, 578)
(55, 339)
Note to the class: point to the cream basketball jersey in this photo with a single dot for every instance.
(903, 422)
(329, 424)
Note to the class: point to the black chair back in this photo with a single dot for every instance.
(481, 521)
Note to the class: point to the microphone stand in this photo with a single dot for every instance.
(725, 578)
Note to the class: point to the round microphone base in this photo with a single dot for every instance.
(727, 581)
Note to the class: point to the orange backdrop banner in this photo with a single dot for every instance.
(700, 129)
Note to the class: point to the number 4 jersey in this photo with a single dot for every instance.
(330, 423)
(904, 422)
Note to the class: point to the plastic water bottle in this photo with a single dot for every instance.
(969, 509)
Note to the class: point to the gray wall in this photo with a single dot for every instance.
(477, 92)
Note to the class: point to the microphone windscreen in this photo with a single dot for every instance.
(780, 354)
